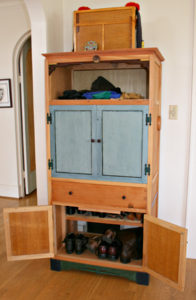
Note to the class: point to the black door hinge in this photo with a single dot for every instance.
(147, 169)
(49, 118)
(50, 164)
(148, 119)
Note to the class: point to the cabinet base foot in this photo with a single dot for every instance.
(55, 265)
(138, 277)
(142, 278)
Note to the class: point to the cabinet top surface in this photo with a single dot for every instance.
(138, 53)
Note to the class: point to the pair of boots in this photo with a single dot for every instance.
(75, 243)
(127, 243)
(110, 246)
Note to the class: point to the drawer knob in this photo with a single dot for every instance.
(96, 59)
(70, 193)
(123, 197)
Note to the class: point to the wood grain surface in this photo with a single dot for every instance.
(35, 280)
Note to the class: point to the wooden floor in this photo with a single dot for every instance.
(33, 280)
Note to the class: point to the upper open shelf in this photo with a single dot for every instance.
(132, 77)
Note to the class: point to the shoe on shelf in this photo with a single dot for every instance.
(139, 216)
(102, 215)
(70, 210)
(80, 243)
(131, 244)
(93, 243)
(69, 243)
(114, 250)
(81, 212)
(109, 236)
(131, 216)
(103, 250)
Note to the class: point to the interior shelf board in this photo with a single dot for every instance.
(99, 102)
(92, 219)
(91, 259)
(100, 209)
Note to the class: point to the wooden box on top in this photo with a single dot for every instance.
(110, 28)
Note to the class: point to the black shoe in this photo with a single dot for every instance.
(70, 210)
(80, 243)
(69, 243)
(81, 212)
(102, 215)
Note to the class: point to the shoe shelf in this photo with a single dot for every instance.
(105, 220)
(91, 259)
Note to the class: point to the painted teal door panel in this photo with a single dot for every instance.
(124, 151)
(71, 146)
(122, 143)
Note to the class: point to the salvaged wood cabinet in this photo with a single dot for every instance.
(103, 156)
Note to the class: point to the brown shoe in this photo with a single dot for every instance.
(109, 236)
(93, 243)
(132, 244)
(114, 250)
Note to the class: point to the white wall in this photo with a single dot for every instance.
(47, 36)
(172, 31)
(14, 22)
(191, 203)
(54, 20)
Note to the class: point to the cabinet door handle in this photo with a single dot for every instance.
(70, 193)
(158, 123)
(123, 197)
(92, 140)
(98, 141)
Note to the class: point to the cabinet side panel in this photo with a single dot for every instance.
(60, 228)
(155, 195)
(60, 80)
(154, 132)
(156, 115)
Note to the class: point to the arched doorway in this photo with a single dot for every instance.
(23, 88)
(27, 117)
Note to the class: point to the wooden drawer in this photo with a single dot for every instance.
(99, 195)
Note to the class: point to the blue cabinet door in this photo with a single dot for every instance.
(106, 143)
(72, 150)
(124, 149)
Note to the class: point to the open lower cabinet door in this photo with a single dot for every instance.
(165, 251)
(29, 232)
